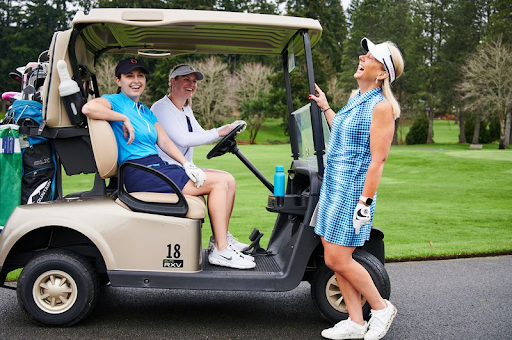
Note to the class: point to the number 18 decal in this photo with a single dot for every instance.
(173, 255)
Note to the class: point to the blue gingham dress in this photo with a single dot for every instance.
(348, 158)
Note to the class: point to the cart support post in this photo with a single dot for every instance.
(316, 121)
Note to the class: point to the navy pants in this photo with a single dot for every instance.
(136, 180)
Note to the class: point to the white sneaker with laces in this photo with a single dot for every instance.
(211, 245)
(380, 321)
(230, 257)
(345, 329)
(235, 243)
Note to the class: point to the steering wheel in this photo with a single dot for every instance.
(226, 144)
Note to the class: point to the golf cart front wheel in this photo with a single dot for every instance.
(326, 293)
(58, 288)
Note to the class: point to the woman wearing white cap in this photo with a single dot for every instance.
(361, 135)
(177, 119)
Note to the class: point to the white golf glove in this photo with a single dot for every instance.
(195, 174)
(362, 215)
(238, 122)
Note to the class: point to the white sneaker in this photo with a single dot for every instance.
(237, 244)
(231, 240)
(380, 321)
(345, 329)
(229, 257)
(211, 245)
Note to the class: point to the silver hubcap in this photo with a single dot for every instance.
(54, 291)
(333, 293)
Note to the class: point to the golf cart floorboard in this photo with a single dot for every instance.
(264, 263)
(264, 277)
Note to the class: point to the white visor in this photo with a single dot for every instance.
(183, 70)
(382, 54)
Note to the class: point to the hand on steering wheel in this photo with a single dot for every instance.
(226, 144)
(238, 122)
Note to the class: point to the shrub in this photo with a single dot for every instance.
(419, 131)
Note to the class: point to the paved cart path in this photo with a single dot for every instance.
(452, 299)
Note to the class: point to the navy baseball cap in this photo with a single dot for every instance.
(127, 65)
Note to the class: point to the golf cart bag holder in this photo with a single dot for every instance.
(39, 161)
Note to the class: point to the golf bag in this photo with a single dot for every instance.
(39, 163)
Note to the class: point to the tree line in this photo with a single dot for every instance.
(451, 49)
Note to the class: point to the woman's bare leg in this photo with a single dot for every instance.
(353, 280)
(231, 190)
(216, 187)
(352, 299)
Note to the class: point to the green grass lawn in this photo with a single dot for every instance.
(445, 200)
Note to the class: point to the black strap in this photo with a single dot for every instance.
(189, 124)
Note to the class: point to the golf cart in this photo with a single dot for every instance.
(69, 247)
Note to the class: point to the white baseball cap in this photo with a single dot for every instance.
(382, 54)
(182, 70)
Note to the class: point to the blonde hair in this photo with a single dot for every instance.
(398, 62)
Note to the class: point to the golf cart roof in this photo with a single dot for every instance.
(165, 32)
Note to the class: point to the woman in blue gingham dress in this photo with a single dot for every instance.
(348, 158)
(361, 135)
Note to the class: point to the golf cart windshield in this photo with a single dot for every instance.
(305, 135)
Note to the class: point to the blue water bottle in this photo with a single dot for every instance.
(279, 181)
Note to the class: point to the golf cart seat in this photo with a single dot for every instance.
(104, 147)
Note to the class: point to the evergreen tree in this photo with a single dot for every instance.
(465, 23)
(332, 18)
(32, 27)
(365, 20)
(433, 17)
(500, 18)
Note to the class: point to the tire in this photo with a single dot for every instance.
(327, 296)
(58, 288)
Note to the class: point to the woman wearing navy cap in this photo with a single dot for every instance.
(137, 132)
(361, 136)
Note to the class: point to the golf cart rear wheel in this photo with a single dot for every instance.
(58, 288)
(327, 295)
